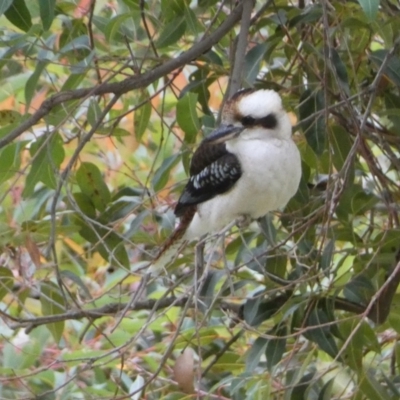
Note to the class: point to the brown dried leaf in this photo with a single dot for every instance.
(33, 251)
(184, 371)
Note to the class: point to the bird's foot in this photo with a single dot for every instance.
(243, 221)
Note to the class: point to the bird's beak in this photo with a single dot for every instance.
(223, 133)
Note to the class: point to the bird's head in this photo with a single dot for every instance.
(252, 114)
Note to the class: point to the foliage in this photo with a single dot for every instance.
(102, 104)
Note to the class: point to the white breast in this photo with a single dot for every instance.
(271, 171)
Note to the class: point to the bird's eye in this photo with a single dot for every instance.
(248, 121)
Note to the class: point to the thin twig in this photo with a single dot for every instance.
(372, 308)
(146, 28)
(69, 166)
(222, 351)
(91, 39)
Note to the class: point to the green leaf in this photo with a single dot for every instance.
(256, 310)
(359, 290)
(372, 389)
(32, 82)
(370, 8)
(321, 333)
(314, 129)
(47, 12)
(392, 68)
(250, 309)
(186, 116)
(18, 14)
(276, 347)
(252, 62)
(327, 255)
(308, 15)
(211, 57)
(341, 70)
(85, 204)
(341, 144)
(207, 293)
(52, 303)
(394, 316)
(326, 392)
(137, 387)
(9, 117)
(76, 279)
(6, 281)
(268, 229)
(277, 264)
(192, 22)
(299, 392)
(94, 112)
(10, 160)
(92, 185)
(161, 176)
(117, 29)
(46, 52)
(4, 5)
(72, 82)
(108, 244)
(118, 210)
(119, 132)
(12, 85)
(199, 83)
(353, 353)
(392, 103)
(81, 42)
(84, 65)
(256, 351)
(47, 155)
(354, 200)
(171, 32)
(141, 119)
(62, 112)
(237, 383)
(362, 202)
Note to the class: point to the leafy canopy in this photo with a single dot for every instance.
(102, 104)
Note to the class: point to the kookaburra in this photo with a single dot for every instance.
(245, 168)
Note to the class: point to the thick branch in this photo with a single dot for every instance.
(109, 309)
(377, 311)
(135, 82)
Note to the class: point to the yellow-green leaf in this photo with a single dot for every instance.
(186, 116)
(6, 281)
(52, 303)
(92, 185)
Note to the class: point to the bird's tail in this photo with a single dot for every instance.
(167, 253)
(172, 245)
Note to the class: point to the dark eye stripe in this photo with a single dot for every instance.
(268, 122)
(248, 121)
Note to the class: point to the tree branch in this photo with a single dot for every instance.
(238, 65)
(135, 82)
(109, 309)
(377, 310)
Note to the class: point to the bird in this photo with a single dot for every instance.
(248, 166)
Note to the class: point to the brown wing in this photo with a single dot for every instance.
(213, 171)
